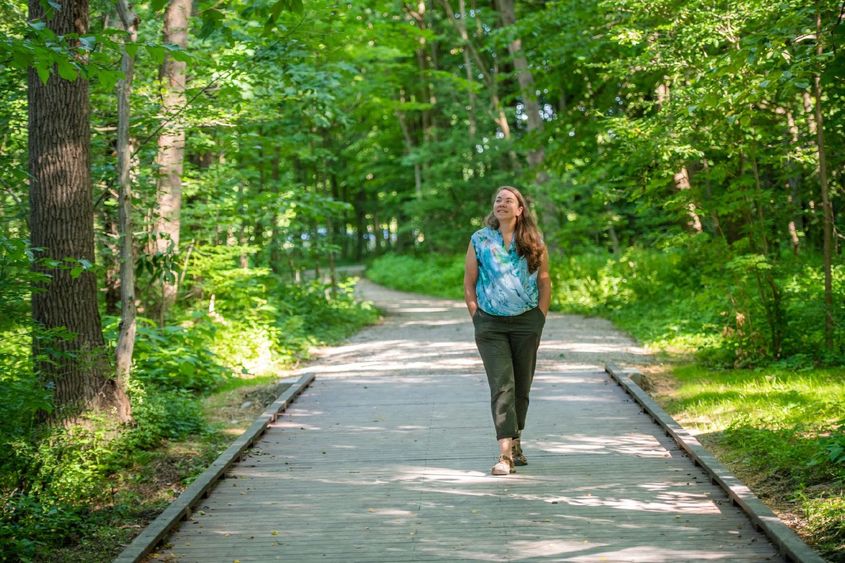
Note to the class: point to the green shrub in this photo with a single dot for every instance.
(432, 274)
(174, 356)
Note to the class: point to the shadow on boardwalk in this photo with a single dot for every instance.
(386, 458)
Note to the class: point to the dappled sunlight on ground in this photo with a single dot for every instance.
(637, 445)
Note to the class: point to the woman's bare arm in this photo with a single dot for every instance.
(470, 277)
(544, 283)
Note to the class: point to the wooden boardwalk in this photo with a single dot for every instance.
(387, 456)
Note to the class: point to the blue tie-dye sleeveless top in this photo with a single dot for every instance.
(504, 286)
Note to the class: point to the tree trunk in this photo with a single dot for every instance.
(827, 207)
(524, 78)
(682, 183)
(360, 224)
(793, 201)
(461, 26)
(275, 234)
(62, 227)
(112, 268)
(496, 111)
(171, 142)
(126, 337)
(527, 90)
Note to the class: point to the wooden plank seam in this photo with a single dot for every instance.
(787, 541)
(181, 508)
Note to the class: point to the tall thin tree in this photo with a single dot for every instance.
(126, 338)
(171, 142)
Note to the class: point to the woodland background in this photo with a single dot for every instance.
(174, 173)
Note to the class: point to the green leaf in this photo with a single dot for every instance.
(42, 68)
(186, 369)
(157, 53)
(156, 5)
(22, 60)
(211, 19)
(75, 272)
(180, 55)
(67, 71)
(107, 78)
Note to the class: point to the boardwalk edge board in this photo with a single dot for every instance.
(181, 508)
(787, 541)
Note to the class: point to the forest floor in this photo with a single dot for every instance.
(143, 491)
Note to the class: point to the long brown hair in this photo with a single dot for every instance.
(529, 243)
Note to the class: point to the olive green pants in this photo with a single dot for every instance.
(508, 348)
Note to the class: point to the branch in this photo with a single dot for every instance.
(208, 87)
(461, 27)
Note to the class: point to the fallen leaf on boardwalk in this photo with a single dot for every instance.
(275, 532)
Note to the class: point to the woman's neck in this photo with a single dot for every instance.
(507, 230)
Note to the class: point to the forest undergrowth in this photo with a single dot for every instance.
(81, 492)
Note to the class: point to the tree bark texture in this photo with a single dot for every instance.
(128, 328)
(62, 226)
(171, 142)
(524, 78)
(496, 110)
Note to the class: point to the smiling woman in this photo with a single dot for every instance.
(507, 291)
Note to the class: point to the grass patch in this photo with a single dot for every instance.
(440, 276)
(780, 431)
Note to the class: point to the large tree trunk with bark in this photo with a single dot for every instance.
(62, 226)
(171, 142)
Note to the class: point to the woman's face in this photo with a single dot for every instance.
(506, 206)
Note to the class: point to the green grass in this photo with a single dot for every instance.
(781, 431)
(441, 276)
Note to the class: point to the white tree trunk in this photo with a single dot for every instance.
(126, 338)
(171, 142)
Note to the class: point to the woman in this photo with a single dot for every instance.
(507, 290)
